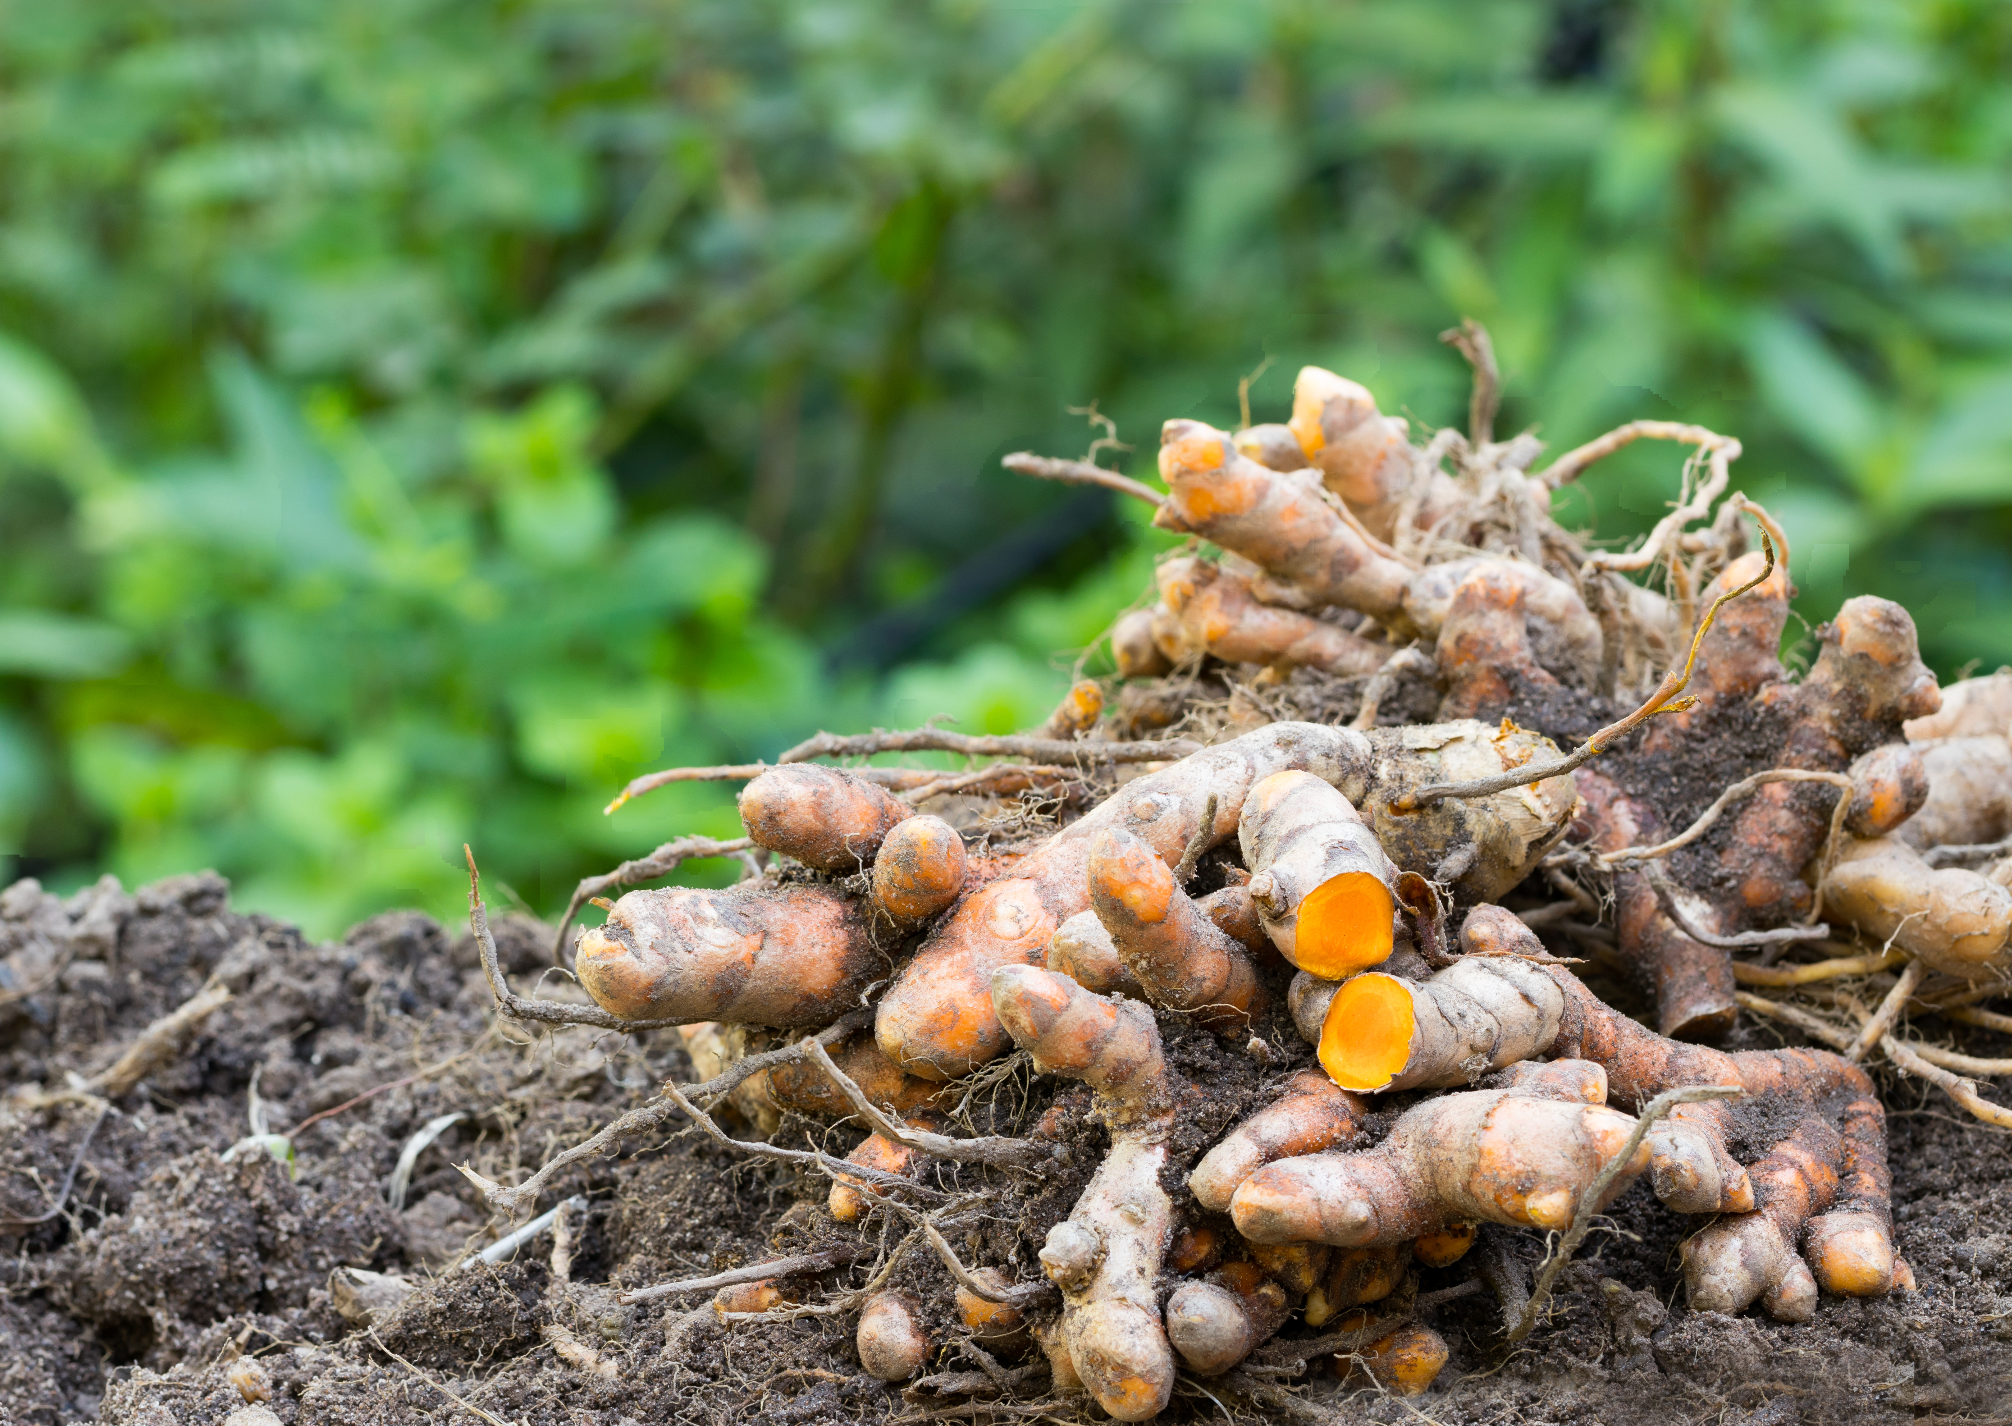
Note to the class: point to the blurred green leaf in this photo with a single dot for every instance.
(587, 732)
(1519, 128)
(989, 689)
(417, 419)
(23, 781)
(1965, 456)
(1820, 172)
(1813, 393)
(41, 643)
(43, 421)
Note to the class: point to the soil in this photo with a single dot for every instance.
(180, 1248)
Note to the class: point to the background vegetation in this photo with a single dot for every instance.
(419, 415)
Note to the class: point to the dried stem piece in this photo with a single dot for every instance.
(794, 1156)
(503, 1247)
(1908, 1059)
(991, 1149)
(1876, 1028)
(1963, 1091)
(1079, 472)
(1663, 700)
(995, 780)
(1966, 853)
(1970, 1015)
(463, 1403)
(1590, 1200)
(1815, 1026)
(1470, 339)
(161, 1042)
(647, 1118)
(753, 1272)
(913, 783)
(1573, 463)
(1962, 1064)
(1049, 751)
(937, 740)
(1782, 977)
(1019, 1295)
(526, 1008)
(1197, 844)
(1659, 881)
(1672, 525)
(662, 862)
(1743, 788)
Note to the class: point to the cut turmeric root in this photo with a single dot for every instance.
(1382, 1033)
(1319, 879)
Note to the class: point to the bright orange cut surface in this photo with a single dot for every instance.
(1344, 926)
(1305, 427)
(1366, 1037)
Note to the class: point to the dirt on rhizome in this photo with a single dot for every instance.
(255, 1217)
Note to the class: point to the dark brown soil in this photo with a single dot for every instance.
(169, 1259)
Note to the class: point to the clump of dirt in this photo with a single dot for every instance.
(149, 1241)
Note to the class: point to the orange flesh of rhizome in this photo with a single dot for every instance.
(1366, 1037)
(1344, 926)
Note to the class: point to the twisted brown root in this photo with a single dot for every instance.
(1504, 1156)
(1174, 952)
(1692, 983)
(1217, 612)
(755, 954)
(824, 817)
(1313, 1114)
(937, 1020)
(1106, 1255)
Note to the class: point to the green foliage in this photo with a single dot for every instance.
(416, 418)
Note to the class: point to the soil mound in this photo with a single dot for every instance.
(150, 1239)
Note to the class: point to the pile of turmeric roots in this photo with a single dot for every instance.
(1619, 774)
